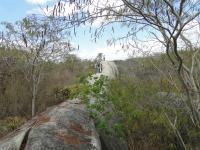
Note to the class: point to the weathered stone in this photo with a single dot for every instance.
(109, 141)
(63, 127)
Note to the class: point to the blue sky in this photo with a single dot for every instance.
(13, 10)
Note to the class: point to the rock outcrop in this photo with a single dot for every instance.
(63, 127)
(111, 141)
(66, 126)
(109, 69)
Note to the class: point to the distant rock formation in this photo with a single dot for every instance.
(111, 141)
(66, 126)
(63, 127)
(109, 69)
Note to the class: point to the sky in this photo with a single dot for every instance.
(13, 10)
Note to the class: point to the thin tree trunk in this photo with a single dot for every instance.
(35, 80)
(34, 93)
(33, 101)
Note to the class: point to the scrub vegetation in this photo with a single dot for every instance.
(155, 101)
(15, 90)
(149, 106)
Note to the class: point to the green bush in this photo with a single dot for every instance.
(9, 124)
(140, 112)
(14, 122)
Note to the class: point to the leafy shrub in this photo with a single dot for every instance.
(10, 123)
(141, 113)
(14, 122)
(62, 94)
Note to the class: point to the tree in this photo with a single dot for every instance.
(164, 20)
(72, 62)
(41, 39)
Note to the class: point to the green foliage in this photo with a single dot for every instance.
(10, 123)
(78, 90)
(14, 122)
(132, 99)
(53, 87)
(62, 94)
(141, 114)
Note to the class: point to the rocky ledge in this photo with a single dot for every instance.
(66, 126)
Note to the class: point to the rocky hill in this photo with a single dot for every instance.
(65, 126)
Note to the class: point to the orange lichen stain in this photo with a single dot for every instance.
(72, 140)
(41, 120)
(78, 128)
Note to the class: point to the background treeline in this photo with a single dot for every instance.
(15, 88)
(147, 100)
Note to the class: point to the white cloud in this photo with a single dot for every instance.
(117, 53)
(34, 11)
(111, 53)
(192, 32)
(66, 9)
(99, 4)
(41, 2)
(70, 8)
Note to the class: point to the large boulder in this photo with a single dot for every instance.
(109, 69)
(66, 126)
(63, 127)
